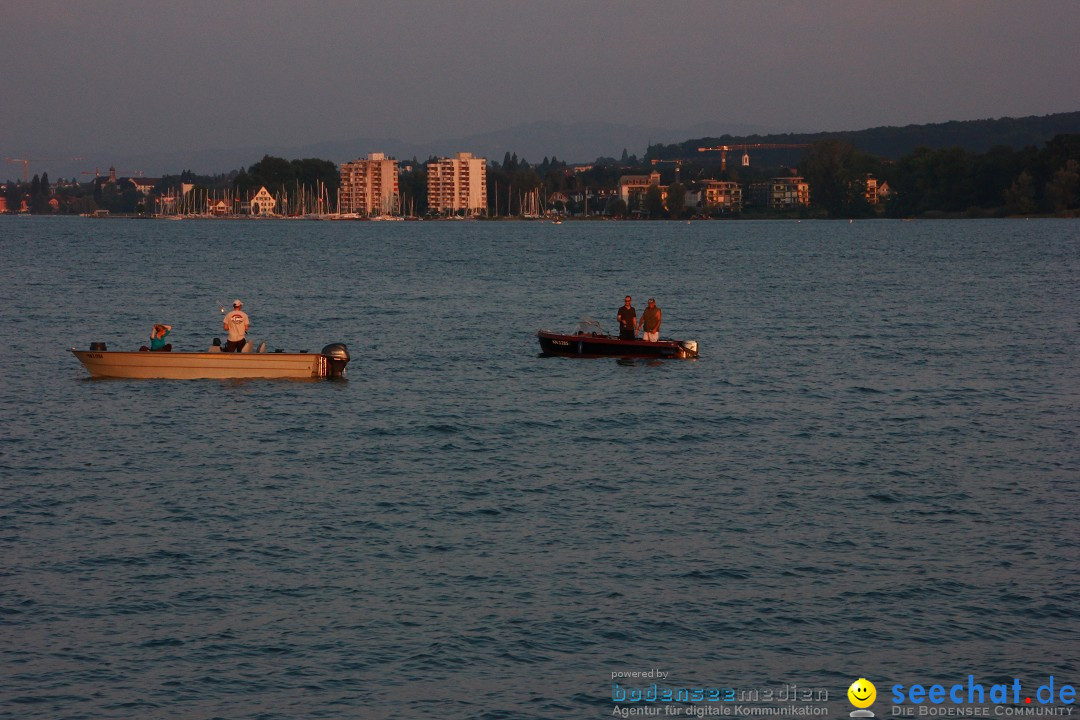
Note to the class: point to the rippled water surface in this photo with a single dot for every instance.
(870, 472)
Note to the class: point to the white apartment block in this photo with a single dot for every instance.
(369, 186)
(457, 184)
(723, 195)
(635, 186)
(782, 193)
(789, 192)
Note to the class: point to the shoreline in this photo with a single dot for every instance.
(1068, 215)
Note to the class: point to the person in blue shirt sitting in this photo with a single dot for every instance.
(157, 339)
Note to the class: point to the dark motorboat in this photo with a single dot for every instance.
(590, 341)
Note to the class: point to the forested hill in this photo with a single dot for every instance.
(893, 142)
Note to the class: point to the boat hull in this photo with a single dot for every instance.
(592, 346)
(202, 366)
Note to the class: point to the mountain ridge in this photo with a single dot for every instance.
(584, 142)
(579, 142)
(890, 141)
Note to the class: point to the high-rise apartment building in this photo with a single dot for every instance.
(369, 186)
(457, 184)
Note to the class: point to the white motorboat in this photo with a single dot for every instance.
(104, 363)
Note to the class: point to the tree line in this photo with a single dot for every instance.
(976, 136)
(925, 182)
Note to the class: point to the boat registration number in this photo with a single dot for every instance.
(559, 342)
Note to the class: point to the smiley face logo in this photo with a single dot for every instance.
(862, 693)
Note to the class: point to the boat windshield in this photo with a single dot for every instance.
(587, 326)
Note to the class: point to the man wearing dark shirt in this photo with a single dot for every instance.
(627, 317)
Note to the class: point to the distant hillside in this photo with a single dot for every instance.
(578, 142)
(570, 142)
(894, 142)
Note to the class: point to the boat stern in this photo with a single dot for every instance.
(337, 357)
(688, 349)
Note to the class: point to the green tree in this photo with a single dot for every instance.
(616, 207)
(827, 168)
(1063, 191)
(676, 200)
(993, 172)
(244, 184)
(1059, 151)
(81, 205)
(837, 174)
(35, 195)
(117, 200)
(1020, 197)
(14, 195)
(272, 172)
(934, 180)
(654, 201)
(412, 187)
(40, 192)
(317, 174)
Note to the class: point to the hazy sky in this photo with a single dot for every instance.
(84, 77)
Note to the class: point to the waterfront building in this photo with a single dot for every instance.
(369, 186)
(593, 200)
(723, 195)
(883, 190)
(789, 192)
(781, 193)
(457, 184)
(871, 194)
(263, 203)
(632, 188)
(143, 185)
(559, 201)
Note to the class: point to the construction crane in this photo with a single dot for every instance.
(678, 163)
(26, 163)
(725, 149)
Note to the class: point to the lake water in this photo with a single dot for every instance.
(872, 470)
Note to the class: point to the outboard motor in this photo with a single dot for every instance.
(337, 357)
(98, 347)
(689, 348)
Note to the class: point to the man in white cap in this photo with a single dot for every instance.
(237, 323)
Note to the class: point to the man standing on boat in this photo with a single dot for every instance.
(237, 323)
(650, 322)
(627, 317)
